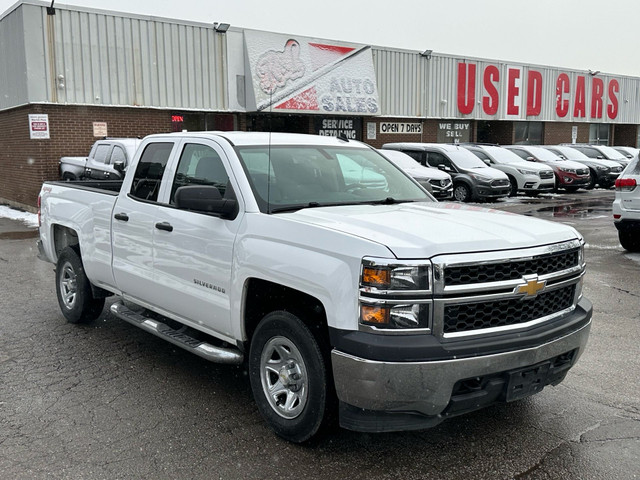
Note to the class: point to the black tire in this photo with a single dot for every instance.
(592, 180)
(514, 186)
(571, 189)
(67, 177)
(630, 240)
(283, 349)
(461, 193)
(74, 289)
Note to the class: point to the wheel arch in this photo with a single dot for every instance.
(262, 297)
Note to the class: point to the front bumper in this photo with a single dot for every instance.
(487, 191)
(392, 395)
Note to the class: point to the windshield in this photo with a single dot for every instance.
(610, 153)
(293, 177)
(544, 154)
(464, 159)
(502, 155)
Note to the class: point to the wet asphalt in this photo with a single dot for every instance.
(109, 401)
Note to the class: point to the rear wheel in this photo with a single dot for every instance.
(630, 240)
(290, 377)
(462, 193)
(74, 289)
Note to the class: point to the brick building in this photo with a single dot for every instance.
(69, 73)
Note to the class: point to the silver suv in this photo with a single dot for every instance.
(527, 177)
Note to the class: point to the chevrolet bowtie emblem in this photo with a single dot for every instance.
(532, 287)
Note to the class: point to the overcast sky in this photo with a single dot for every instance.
(577, 34)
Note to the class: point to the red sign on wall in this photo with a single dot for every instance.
(520, 93)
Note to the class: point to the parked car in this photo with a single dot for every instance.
(626, 207)
(600, 152)
(472, 178)
(569, 175)
(629, 152)
(526, 177)
(603, 172)
(437, 182)
(108, 159)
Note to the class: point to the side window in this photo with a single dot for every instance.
(435, 159)
(146, 181)
(591, 152)
(102, 153)
(482, 156)
(118, 155)
(199, 165)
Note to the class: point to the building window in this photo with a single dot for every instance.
(599, 134)
(528, 133)
(199, 122)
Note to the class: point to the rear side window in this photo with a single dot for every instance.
(199, 165)
(146, 181)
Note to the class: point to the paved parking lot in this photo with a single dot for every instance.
(107, 400)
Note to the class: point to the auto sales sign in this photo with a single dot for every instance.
(296, 74)
(510, 92)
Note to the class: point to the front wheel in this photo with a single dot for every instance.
(289, 377)
(74, 289)
(462, 193)
(630, 240)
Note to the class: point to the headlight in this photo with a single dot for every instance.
(395, 296)
(526, 172)
(480, 178)
(602, 168)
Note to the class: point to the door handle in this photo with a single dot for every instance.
(166, 226)
(121, 216)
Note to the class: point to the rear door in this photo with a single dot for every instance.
(192, 251)
(133, 223)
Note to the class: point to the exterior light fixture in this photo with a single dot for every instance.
(427, 54)
(221, 27)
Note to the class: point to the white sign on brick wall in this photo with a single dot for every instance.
(39, 126)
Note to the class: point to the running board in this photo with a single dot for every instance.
(202, 349)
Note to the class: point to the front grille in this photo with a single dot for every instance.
(496, 272)
(501, 313)
(500, 183)
(546, 175)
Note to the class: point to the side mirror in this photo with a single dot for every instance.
(531, 159)
(487, 162)
(206, 199)
(600, 157)
(442, 167)
(119, 166)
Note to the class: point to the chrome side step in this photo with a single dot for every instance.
(202, 349)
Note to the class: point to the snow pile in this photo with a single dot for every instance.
(30, 219)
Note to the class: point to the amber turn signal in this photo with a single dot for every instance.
(376, 276)
(374, 315)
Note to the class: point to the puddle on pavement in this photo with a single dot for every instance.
(18, 235)
(577, 210)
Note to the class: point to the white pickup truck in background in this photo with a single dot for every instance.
(343, 295)
(107, 160)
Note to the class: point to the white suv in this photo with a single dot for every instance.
(626, 207)
(527, 177)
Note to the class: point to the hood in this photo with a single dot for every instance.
(570, 164)
(429, 173)
(423, 230)
(536, 167)
(490, 172)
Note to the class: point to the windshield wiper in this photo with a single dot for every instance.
(388, 201)
(293, 208)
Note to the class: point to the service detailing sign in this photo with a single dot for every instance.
(350, 128)
(310, 76)
(513, 92)
(39, 126)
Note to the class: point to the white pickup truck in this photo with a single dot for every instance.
(345, 296)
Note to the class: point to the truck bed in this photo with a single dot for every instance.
(111, 187)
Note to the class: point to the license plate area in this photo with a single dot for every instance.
(527, 381)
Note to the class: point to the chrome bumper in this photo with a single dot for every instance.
(425, 388)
